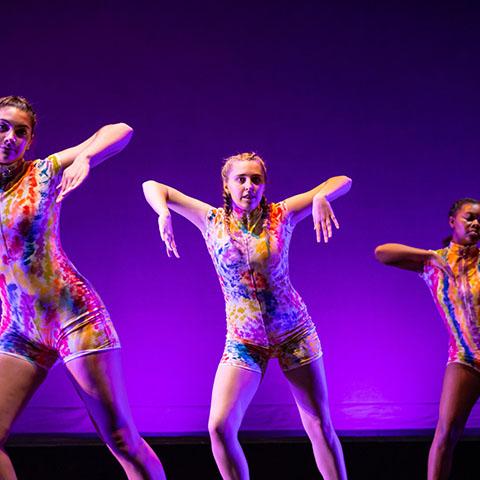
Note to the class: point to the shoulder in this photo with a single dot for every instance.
(278, 213)
(214, 219)
(430, 267)
(47, 166)
(214, 215)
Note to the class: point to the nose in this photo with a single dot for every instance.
(10, 138)
(248, 184)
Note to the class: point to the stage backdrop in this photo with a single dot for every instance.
(386, 94)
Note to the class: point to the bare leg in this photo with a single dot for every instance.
(233, 391)
(18, 381)
(461, 389)
(98, 378)
(309, 389)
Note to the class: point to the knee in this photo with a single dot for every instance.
(125, 442)
(4, 433)
(221, 429)
(447, 434)
(320, 427)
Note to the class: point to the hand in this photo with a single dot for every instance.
(73, 176)
(323, 217)
(166, 233)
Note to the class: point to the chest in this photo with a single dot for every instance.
(24, 207)
(235, 249)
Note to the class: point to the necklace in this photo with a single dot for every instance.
(10, 170)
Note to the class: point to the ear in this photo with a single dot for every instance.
(29, 143)
(451, 221)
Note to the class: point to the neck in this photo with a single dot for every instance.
(9, 170)
(248, 218)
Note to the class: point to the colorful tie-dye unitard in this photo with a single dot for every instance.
(456, 293)
(48, 309)
(266, 317)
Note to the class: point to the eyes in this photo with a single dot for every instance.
(20, 131)
(471, 217)
(255, 179)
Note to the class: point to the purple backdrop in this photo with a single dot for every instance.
(385, 94)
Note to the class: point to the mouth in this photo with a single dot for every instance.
(6, 150)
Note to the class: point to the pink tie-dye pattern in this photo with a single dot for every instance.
(43, 295)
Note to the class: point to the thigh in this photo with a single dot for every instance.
(309, 387)
(19, 379)
(98, 379)
(460, 391)
(233, 390)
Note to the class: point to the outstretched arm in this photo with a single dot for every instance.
(77, 160)
(408, 258)
(318, 200)
(160, 197)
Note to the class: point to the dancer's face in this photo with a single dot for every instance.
(466, 224)
(246, 184)
(15, 134)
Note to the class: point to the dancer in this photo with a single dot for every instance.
(248, 240)
(453, 276)
(49, 311)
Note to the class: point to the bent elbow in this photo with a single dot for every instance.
(126, 129)
(148, 184)
(381, 254)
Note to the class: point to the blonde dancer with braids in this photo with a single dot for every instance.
(248, 241)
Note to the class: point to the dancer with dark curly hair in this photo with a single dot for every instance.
(49, 310)
(453, 276)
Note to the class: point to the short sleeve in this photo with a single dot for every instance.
(56, 165)
(210, 221)
(279, 215)
(429, 267)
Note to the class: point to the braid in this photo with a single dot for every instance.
(227, 205)
(265, 208)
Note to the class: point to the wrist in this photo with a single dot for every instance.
(83, 158)
(320, 197)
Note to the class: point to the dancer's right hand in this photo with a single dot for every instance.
(166, 233)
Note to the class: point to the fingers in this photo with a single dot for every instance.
(166, 234)
(71, 179)
(323, 226)
(335, 221)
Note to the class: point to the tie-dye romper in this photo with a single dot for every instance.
(266, 317)
(48, 309)
(456, 293)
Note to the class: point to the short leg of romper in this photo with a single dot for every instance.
(16, 344)
(90, 332)
(244, 355)
(474, 365)
(302, 349)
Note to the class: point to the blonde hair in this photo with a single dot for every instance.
(240, 157)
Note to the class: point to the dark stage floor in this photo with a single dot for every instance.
(271, 457)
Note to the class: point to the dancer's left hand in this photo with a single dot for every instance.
(323, 217)
(73, 176)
